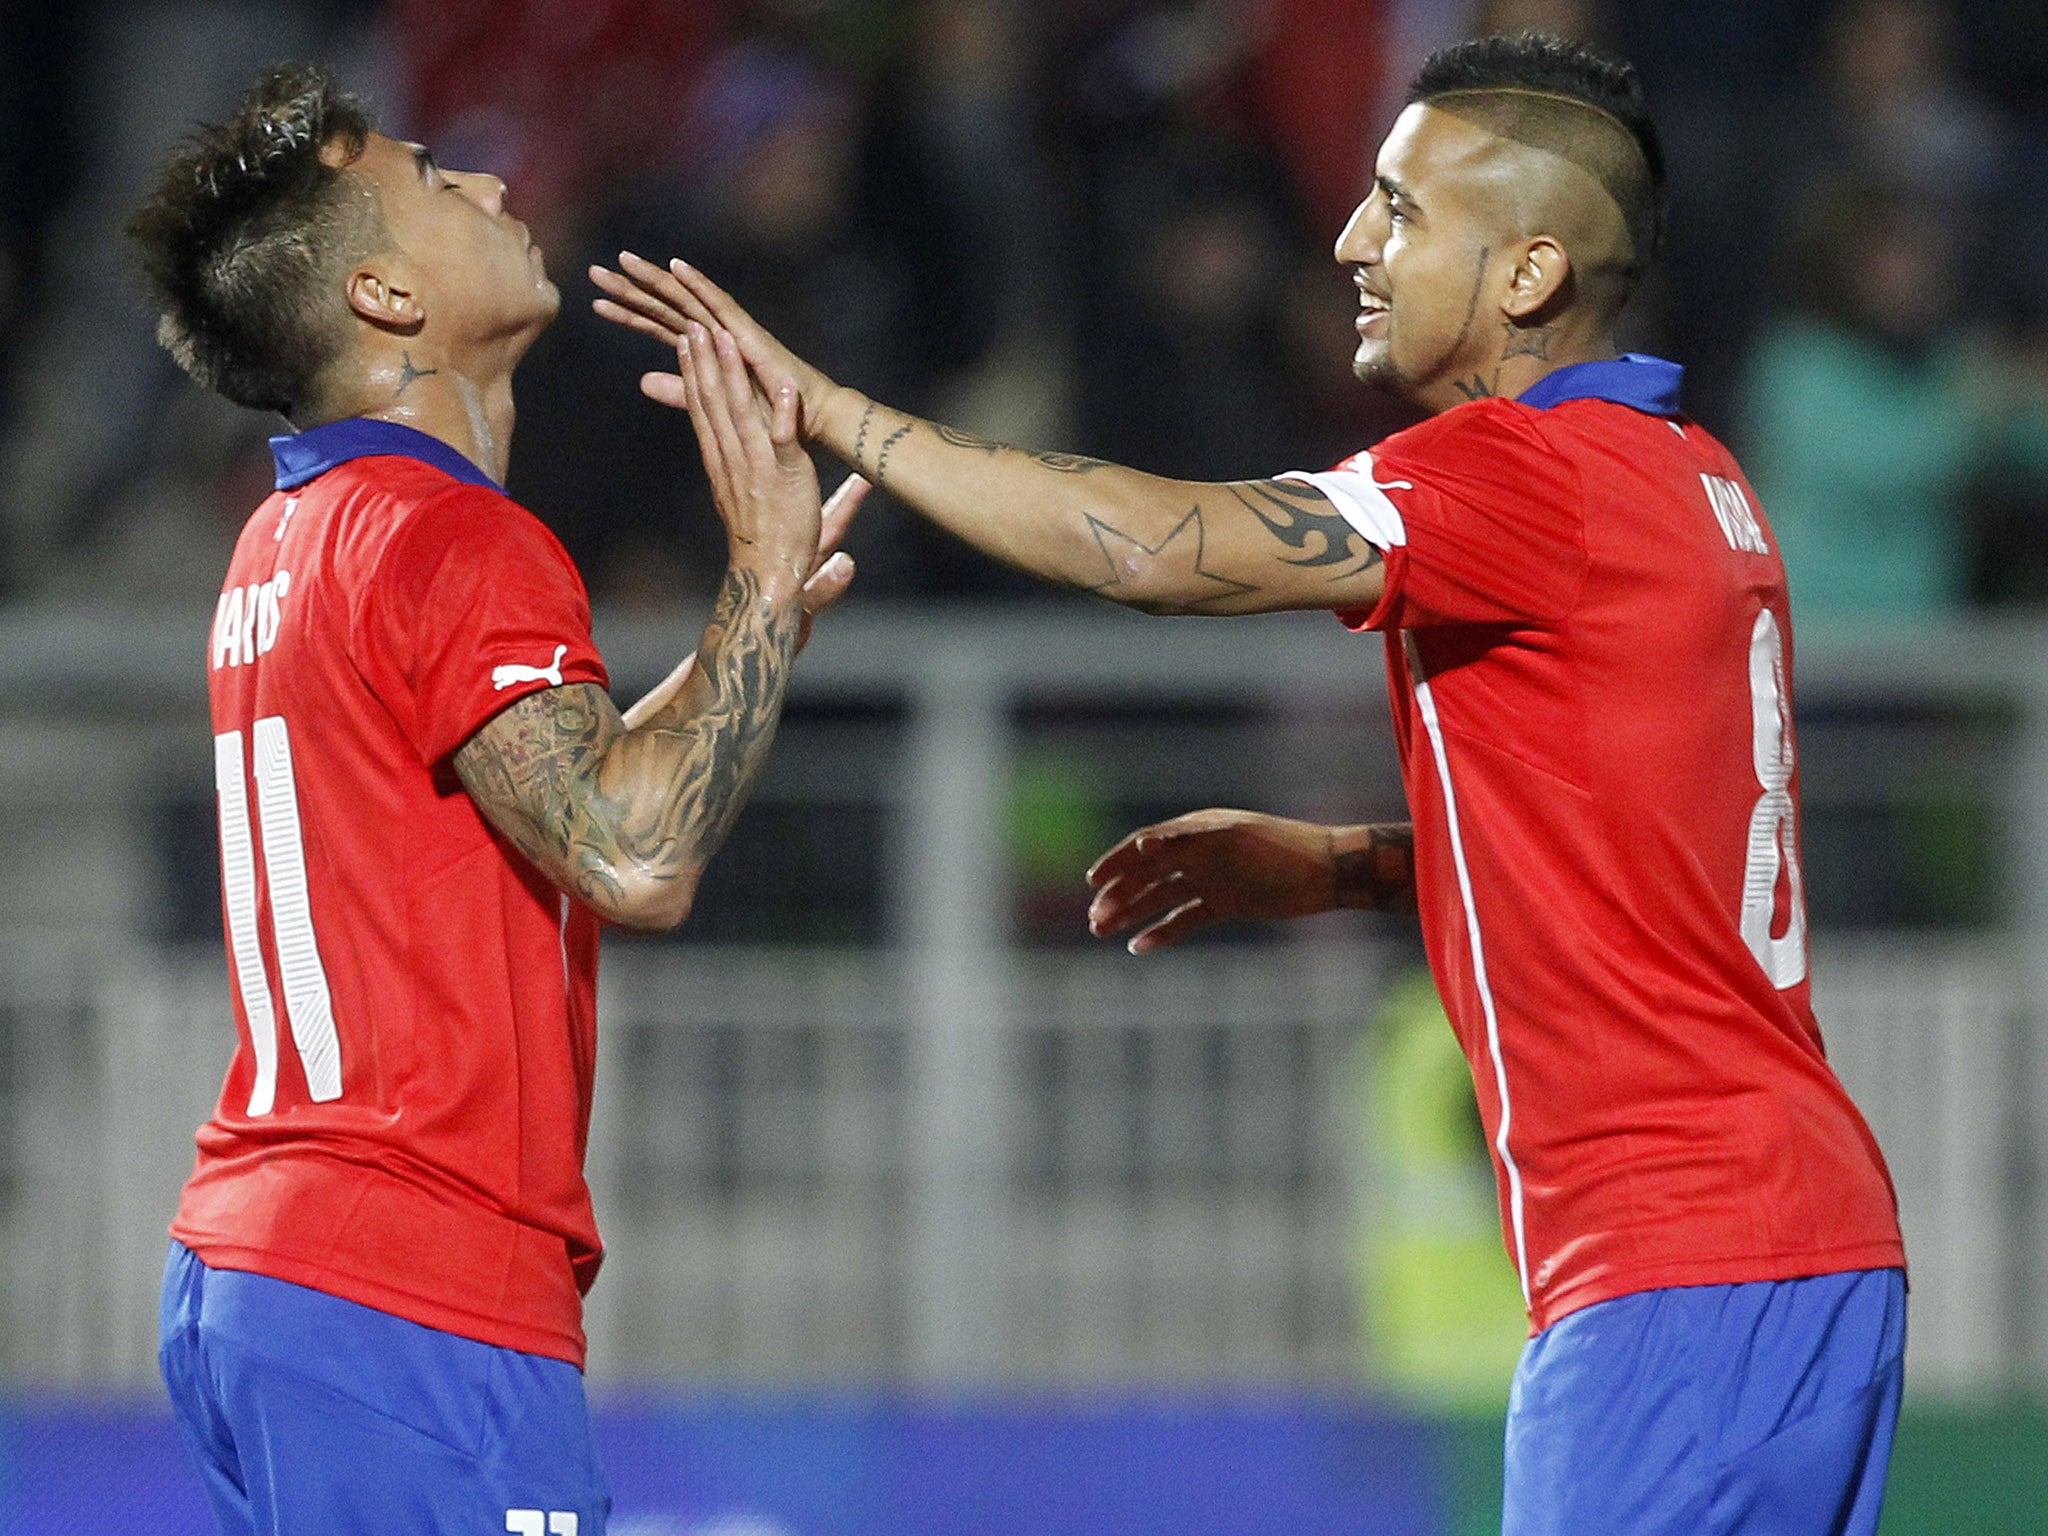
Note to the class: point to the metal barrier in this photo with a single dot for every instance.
(1172, 1198)
(946, 1157)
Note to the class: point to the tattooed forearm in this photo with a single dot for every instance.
(1149, 542)
(1375, 872)
(747, 670)
(1062, 463)
(611, 814)
(961, 439)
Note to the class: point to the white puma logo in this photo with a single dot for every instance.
(505, 676)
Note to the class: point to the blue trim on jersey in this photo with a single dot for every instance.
(1711, 1410)
(303, 456)
(1634, 379)
(309, 1415)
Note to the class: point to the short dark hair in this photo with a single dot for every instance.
(1547, 91)
(241, 242)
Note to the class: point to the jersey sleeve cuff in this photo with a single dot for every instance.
(1360, 501)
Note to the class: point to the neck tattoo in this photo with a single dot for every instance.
(408, 373)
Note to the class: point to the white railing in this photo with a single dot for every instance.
(1174, 1199)
(855, 1180)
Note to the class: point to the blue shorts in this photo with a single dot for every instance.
(313, 1416)
(1764, 1409)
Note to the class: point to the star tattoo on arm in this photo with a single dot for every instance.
(1141, 574)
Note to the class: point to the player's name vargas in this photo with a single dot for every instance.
(246, 620)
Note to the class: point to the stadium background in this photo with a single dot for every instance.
(925, 1214)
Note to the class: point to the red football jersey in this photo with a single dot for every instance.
(403, 1123)
(1589, 654)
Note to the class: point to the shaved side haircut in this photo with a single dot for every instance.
(245, 242)
(1569, 100)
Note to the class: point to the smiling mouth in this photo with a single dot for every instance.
(1371, 309)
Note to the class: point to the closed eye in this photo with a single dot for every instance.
(424, 164)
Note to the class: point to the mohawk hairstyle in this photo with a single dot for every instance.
(1567, 98)
(241, 243)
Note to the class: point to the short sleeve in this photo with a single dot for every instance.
(474, 605)
(1480, 520)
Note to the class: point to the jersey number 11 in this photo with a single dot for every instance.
(307, 1004)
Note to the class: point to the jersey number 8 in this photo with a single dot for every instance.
(1773, 830)
(307, 1004)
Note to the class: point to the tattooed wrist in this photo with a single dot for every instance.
(747, 669)
(860, 439)
(1378, 874)
(888, 447)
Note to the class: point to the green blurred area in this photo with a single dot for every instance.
(1956, 1471)
(1441, 1307)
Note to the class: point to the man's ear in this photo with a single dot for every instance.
(384, 296)
(1542, 273)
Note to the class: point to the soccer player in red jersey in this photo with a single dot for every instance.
(1589, 661)
(428, 804)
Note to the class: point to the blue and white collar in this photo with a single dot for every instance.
(1634, 379)
(303, 456)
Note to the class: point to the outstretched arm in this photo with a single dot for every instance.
(1165, 546)
(1207, 867)
(626, 816)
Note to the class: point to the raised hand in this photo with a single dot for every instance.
(1208, 867)
(833, 573)
(661, 302)
(762, 481)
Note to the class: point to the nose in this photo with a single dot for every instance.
(488, 190)
(1359, 244)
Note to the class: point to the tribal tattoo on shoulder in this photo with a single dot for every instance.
(1380, 877)
(553, 773)
(1301, 517)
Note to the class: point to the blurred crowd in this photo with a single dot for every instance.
(1101, 225)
